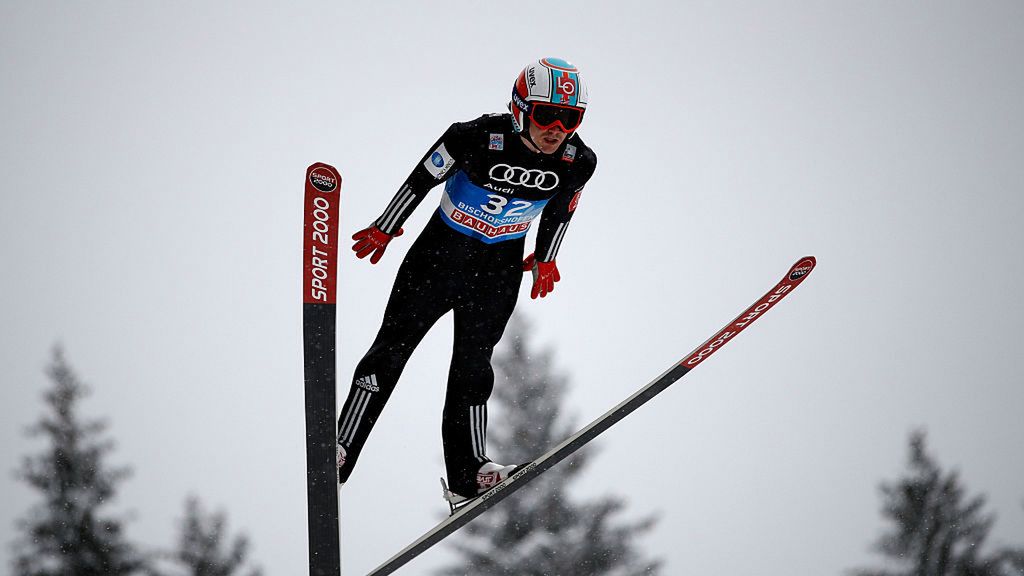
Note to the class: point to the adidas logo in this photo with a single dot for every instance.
(368, 383)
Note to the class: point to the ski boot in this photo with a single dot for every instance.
(488, 476)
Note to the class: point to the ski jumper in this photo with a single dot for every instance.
(468, 259)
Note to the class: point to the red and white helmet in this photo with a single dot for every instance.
(548, 92)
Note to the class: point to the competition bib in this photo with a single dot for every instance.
(485, 214)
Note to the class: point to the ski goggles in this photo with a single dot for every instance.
(545, 116)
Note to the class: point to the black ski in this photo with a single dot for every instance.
(320, 269)
(474, 508)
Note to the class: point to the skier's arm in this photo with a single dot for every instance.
(554, 221)
(435, 167)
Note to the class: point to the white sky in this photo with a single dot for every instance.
(151, 164)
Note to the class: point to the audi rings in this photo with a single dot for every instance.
(517, 176)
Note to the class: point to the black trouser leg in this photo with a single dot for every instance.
(480, 321)
(413, 308)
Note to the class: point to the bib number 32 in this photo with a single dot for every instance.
(496, 205)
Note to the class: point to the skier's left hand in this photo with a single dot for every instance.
(545, 274)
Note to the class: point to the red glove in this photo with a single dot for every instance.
(545, 274)
(372, 241)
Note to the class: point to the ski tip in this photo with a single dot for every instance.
(323, 176)
(801, 269)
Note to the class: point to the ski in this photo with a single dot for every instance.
(320, 272)
(464, 513)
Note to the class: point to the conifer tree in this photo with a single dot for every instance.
(935, 528)
(540, 530)
(203, 547)
(68, 533)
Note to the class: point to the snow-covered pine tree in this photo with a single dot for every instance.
(68, 534)
(540, 530)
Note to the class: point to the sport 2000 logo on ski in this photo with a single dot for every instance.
(711, 346)
(802, 269)
(323, 180)
(320, 249)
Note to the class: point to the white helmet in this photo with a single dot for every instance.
(548, 92)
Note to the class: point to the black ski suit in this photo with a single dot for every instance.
(467, 259)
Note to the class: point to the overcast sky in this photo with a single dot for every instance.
(151, 166)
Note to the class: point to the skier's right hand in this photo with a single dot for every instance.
(372, 241)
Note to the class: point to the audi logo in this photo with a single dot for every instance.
(539, 179)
